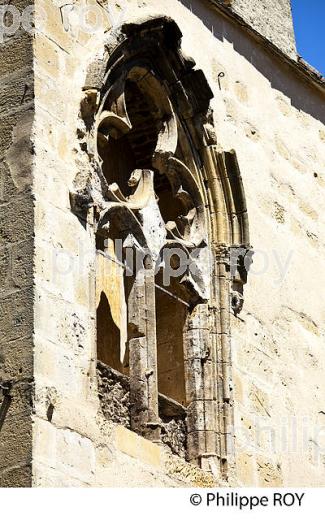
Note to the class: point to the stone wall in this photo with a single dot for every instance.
(174, 435)
(273, 118)
(16, 256)
(273, 20)
(114, 396)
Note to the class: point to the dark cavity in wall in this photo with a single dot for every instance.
(114, 396)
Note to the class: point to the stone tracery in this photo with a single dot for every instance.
(158, 183)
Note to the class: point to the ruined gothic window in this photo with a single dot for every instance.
(168, 213)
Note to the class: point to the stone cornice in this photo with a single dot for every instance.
(300, 67)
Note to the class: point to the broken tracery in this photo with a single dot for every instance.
(169, 209)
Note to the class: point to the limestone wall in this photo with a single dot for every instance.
(271, 19)
(16, 256)
(272, 118)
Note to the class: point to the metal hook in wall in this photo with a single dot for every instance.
(220, 75)
(5, 390)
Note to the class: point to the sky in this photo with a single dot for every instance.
(309, 24)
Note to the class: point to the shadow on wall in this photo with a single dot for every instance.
(303, 96)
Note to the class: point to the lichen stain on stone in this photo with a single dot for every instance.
(19, 155)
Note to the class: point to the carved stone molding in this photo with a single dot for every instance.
(157, 180)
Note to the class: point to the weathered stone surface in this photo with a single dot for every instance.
(271, 19)
(16, 477)
(137, 447)
(174, 435)
(16, 260)
(16, 54)
(114, 395)
(273, 118)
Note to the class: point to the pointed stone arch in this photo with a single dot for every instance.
(142, 95)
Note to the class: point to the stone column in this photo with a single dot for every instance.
(224, 362)
(200, 389)
(143, 353)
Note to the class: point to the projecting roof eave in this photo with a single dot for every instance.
(301, 67)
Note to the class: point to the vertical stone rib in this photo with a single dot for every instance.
(153, 426)
(143, 356)
(200, 389)
(222, 207)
